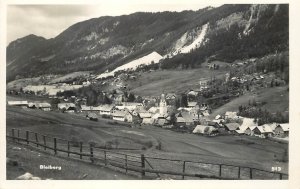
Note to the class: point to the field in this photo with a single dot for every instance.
(70, 76)
(277, 99)
(236, 150)
(164, 81)
(24, 159)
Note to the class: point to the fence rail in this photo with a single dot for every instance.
(144, 165)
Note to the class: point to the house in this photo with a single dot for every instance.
(282, 130)
(184, 118)
(192, 104)
(129, 105)
(171, 96)
(66, 107)
(247, 122)
(215, 124)
(119, 115)
(40, 105)
(231, 127)
(161, 121)
(131, 117)
(22, 104)
(85, 108)
(146, 118)
(218, 117)
(45, 106)
(192, 93)
(92, 116)
(205, 130)
(249, 130)
(106, 109)
(153, 110)
(263, 131)
(231, 115)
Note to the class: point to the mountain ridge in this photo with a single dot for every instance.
(105, 43)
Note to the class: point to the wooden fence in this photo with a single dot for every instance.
(145, 166)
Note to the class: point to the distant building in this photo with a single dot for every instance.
(146, 118)
(119, 115)
(263, 131)
(92, 116)
(184, 118)
(231, 127)
(231, 115)
(66, 107)
(106, 109)
(205, 130)
(282, 130)
(40, 105)
(192, 104)
(18, 103)
(249, 130)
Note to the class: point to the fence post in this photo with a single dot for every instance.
(13, 134)
(220, 170)
(27, 137)
(105, 161)
(68, 148)
(280, 176)
(239, 173)
(143, 164)
(18, 135)
(80, 150)
(92, 153)
(44, 139)
(55, 151)
(183, 170)
(36, 139)
(126, 163)
(251, 173)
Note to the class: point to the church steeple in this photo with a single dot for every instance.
(163, 105)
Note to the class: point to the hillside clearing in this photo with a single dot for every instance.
(164, 81)
(276, 98)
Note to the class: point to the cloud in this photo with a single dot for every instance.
(50, 20)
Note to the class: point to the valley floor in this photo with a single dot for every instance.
(236, 150)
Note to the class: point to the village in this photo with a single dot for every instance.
(185, 112)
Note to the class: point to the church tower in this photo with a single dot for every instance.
(163, 105)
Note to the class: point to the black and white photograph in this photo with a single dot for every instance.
(147, 91)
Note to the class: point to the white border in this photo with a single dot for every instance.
(294, 165)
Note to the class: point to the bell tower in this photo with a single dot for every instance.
(163, 105)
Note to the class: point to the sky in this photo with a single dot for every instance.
(50, 20)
